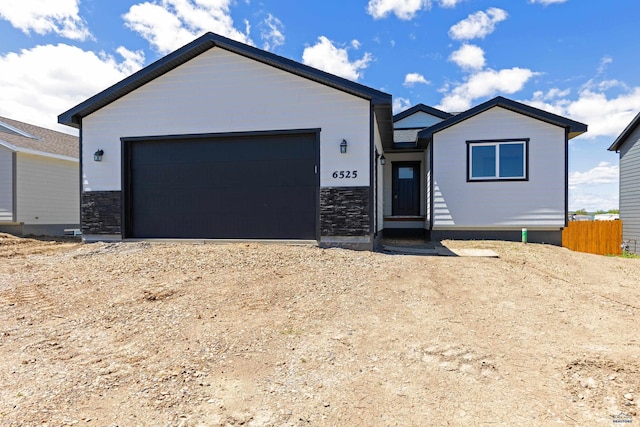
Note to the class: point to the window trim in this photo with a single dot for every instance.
(497, 142)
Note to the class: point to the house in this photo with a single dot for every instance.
(221, 140)
(39, 180)
(629, 148)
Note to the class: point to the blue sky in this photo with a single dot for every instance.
(576, 58)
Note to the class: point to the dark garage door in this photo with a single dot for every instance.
(248, 186)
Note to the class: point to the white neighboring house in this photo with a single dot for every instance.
(39, 180)
(606, 217)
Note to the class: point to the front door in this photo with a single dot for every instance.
(406, 188)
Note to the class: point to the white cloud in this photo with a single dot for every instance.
(449, 3)
(605, 116)
(594, 189)
(325, 56)
(170, 24)
(272, 35)
(485, 83)
(469, 57)
(414, 78)
(403, 9)
(38, 84)
(604, 173)
(592, 201)
(547, 2)
(60, 17)
(400, 104)
(477, 25)
(553, 93)
(603, 64)
(608, 84)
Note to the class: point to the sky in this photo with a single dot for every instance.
(575, 58)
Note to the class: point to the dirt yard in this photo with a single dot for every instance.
(141, 334)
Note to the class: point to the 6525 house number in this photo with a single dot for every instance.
(344, 174)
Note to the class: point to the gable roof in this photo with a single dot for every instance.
(25, 137)
(421, 108)
(626, 133)
(380, 100)
(574, 128)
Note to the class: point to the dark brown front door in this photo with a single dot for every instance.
(406, 188)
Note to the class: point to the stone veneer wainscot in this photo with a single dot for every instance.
(101, 212)
(345, 211)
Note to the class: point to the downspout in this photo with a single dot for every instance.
(14, 186)
(372, 199)
(81, 164)
(566, 177)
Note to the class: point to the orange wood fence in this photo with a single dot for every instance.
(594, 237)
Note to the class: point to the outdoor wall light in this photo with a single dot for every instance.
(97, 156)
(383, 160)
(343, 146)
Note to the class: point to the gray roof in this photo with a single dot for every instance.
(622, 138)
(380, 100)
(574, 128)
(19, 135)
(406, 135)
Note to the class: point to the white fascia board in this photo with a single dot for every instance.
(37, 152)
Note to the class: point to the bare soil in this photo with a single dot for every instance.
(185, 334)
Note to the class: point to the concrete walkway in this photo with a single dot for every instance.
(430, 248)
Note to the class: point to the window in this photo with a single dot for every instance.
(497, 160)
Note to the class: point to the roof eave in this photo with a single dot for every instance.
(622, 138)
(421, 108)
(574, 128)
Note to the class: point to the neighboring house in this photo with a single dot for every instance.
(628, 145)
(39, 180)
(222, 140)
(606, 217)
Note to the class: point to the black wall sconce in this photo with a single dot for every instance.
(383, 160)
(343, 146)
(97, 156)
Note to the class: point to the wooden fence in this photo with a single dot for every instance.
(594, 237)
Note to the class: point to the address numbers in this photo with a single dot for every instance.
(344, 174)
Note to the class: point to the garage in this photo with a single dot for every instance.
(250, 185)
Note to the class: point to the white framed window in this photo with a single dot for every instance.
(498, 160)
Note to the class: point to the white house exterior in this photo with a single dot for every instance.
(220, 140)
(261, 137)
(498, 168)
(628, 145)
(39, 180)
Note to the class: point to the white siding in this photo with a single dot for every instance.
(630, 189)
(536, 203)
(47, 190)
(418, 120)
(6, 184)
(219, 91)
